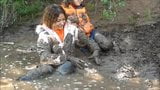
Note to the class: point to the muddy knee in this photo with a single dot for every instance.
(66, 68)
(103, 42)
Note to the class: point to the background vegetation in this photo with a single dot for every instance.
(14, 10)
(110, 8)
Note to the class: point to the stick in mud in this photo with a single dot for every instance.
(7, 43)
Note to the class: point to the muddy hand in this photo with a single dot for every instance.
(96, 58)
(68, 45)
(59, 60)
(95, 54)
(73, 19)
(81, 64)
(57, 49)
(98, 61)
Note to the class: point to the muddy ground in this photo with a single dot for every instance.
(134, 63)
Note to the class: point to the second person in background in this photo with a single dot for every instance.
(76, 12)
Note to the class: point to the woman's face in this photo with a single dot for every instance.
(59, 24)
(77, 2)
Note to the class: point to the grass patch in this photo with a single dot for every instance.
(24, 9)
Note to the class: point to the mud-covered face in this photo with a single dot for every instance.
(77, 2)
(59, 24)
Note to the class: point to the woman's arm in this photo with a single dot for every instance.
(47, 56)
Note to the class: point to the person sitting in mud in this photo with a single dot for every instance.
(76, 13)
(55, 45)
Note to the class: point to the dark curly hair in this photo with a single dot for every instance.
(51, 14)
(68, 2)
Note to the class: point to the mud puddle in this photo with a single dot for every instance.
(134, 67)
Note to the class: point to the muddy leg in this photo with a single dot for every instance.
(93, 47)
(38, 72)
(103, 42)
(66, 68)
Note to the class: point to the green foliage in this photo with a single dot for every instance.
(23, 8)
(3, 1)
(108, 14)
(90, 6)
(7, 13)
(121, 3)
(12, 10)
(132, 20)
(147, 14)
(110, 8)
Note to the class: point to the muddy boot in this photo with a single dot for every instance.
(96, 58)
(94, 48)
(38, 72)
(104, 43)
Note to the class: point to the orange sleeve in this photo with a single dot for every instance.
(88, 19)
(68, 10)
(88, 27)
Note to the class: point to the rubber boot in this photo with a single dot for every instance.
(38, 72)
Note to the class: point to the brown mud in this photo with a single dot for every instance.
(133, 64)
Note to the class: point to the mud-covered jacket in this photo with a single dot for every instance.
(48, 39)
(83, 19)
(49, 45)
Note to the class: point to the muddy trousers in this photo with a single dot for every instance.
(91, 45)
(103, 42)
(44, 70)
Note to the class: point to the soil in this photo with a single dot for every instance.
(134, 63)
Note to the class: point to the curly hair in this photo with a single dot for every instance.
(68, 2)
(51, 14)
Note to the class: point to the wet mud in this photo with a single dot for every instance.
(133, 64)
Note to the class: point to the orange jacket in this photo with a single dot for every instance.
(84, 21)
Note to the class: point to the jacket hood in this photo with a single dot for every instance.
(39, 29)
